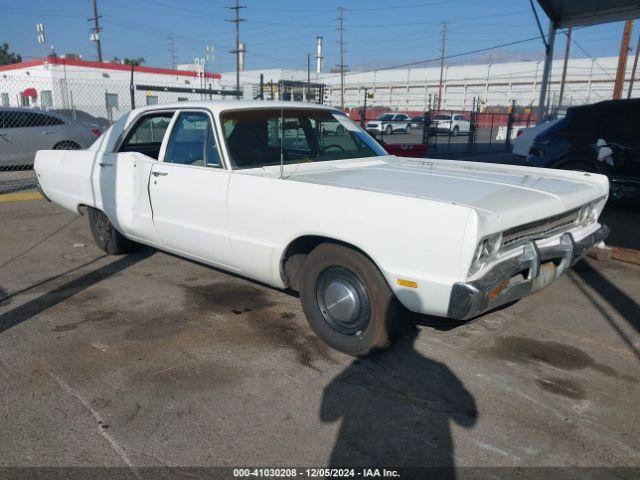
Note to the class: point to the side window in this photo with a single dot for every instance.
(49, 120)
(146, 135)
(18, 119)
(192, 141)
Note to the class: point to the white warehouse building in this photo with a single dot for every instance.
(493, 85)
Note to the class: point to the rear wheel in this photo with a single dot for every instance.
(106, 236)
(347, 301)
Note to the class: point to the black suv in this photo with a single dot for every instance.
(603, 137)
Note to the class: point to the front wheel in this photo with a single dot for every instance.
(388, 130)
(407, 129)
(347, 301)
(109, 239)
(455, 131)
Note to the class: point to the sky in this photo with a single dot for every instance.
(280, 33)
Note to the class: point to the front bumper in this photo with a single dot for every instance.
(532, 270)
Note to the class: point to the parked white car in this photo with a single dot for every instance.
(524, 138)
(389, 123)
(515, 132)
(453, 125)
(258, 189)
(24, 131)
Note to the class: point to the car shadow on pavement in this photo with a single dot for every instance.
(396, 410)
(30, 309)
(620, 301)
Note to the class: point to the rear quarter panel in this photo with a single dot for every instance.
(65, 176)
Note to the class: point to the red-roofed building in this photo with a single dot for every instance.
(98, 88)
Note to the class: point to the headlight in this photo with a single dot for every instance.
(486, 250)
(589, 213)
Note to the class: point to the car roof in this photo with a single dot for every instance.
(217, 106)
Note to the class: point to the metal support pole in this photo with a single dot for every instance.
(633, 71)
(546, 71)
(262, 86)
(567, 50)
(132, 90)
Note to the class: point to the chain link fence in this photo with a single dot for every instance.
(49, 113)
(480, 130)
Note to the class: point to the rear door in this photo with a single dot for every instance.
(188, 192)
(121, 178)
(25, 133)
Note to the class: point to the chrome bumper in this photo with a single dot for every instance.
(538, 266)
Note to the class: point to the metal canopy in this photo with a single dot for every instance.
(582, 13)
(578, 13)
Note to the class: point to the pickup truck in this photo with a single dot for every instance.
(262, 190)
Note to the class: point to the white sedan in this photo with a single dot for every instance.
(259, 189)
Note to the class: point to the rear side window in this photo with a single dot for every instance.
(146, 135)
(20, 119)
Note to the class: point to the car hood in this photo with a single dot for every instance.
(515, 194)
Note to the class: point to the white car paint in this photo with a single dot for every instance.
(417, 219)
(522, 142)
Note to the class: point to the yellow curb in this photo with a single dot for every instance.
(20, 197)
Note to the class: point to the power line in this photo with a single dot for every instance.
(237, 21)
(172, 52)
(95, 31)
(341, 10)
(442, 51)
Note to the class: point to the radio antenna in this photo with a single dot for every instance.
(281, 143)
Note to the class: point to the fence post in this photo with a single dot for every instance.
(363, 112)
(473, 120)
(261, 86)
(510, 121)
(132, 90)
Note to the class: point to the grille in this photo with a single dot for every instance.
(514, 237)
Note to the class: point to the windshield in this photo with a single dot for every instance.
(386, 116)
(442, 117)
(257, 138)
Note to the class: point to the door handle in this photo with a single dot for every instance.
(159, 174)
(105, 164)
(47, 132)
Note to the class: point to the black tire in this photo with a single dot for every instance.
(408, 129)
(455, 132)
(375, 325)
(66, 145)
(106, 236)
(388, 130)
(340, 130)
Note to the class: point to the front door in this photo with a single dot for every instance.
(188, 192)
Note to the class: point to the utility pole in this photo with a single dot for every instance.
(95, 31)
(442, 50)
(341, 10)
(633, 71)
(308, 68)
(172, 53)
(622, 60)
(237, 50)
(564, 68)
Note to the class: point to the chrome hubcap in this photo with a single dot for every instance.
(342, 301)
